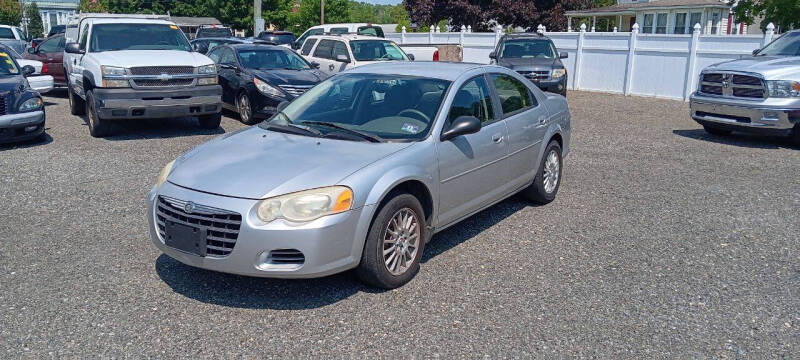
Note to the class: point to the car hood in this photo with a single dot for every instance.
(291, 77)
(771, 67)
(134, 58)
(530, 63)
(12, 83)
(257, 163)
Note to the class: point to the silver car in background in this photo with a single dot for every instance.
(360, 172)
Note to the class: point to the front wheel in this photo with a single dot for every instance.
(245, 108)
(394, 244)
(98, 127)
(796, 135)
(210, 121)
(76, 105)
(548, 176)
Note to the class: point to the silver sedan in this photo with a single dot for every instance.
(360, 172)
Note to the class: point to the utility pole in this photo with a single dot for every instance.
(322, 12)
(256, 17)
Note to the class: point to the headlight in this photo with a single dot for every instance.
(207, 70)
(783, 88)
(30, 104)
(162, 177)
(113, 71)
(306, 205)
(267, 89)
(557, 73)
(207, 81)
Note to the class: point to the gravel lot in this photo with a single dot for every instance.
(663, 242)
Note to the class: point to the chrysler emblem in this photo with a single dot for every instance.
(189, 207)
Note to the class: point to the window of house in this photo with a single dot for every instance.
(715, 23)
(694, 19)
(648, 23)
(661, 23)
(680, 23)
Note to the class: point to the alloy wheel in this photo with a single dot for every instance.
(244, 108)
(401, 240)
(551, 172)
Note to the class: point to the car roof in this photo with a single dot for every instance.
(127, 21)
(442, 70)
(348, 37)
(525, 36)
(220, 38)
(256, 46)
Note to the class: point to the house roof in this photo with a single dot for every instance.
(660, 4)
(194, 21)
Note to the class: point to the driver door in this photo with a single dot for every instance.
(473, 168)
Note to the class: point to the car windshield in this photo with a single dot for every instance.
(272, 59)
(279, 39)
(391, 107)
(527, 48)
(214, 32)
(11, 52)
(786, 45)
(371, 50)
(112, 37)
(7, 65)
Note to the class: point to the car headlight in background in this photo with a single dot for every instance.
(162, 177)
(783, 88)
(306, 205)
(267, 89)
(557, 73)
(30, 104)
(207, 70)
(114, 71)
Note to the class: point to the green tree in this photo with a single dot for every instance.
(10, 12)
(93, 6)
(399, 16)
(35, 25)
(277, 12)
(783, 13)
(308, 14)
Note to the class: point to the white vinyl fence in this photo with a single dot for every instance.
(659, 65)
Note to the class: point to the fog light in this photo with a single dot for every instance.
(31, 128)
(769, 116)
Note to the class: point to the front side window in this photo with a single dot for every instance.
(680, 23)
(6, 33)
(52, 45)
(339, 48)
(84, 36)
(393, 107)
(308, 46)
(528, 48)
(271, 60)
(661, 23)
(215, 55)
(374, 50)
(514, 95)
(648, 23)
(324, 50)
(227, 57)
(786, 45)
(113, 37)
(473, 99)
(7, 64)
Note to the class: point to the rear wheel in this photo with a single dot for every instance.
(245, 108)
(211, 121)
(716, 131)
(98, 127)
(76, 105)
(548, 177)
(394, 244)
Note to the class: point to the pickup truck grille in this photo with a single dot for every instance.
(161, 83)
(732, 85)
(159, 70)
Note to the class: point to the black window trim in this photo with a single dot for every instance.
(534, 100)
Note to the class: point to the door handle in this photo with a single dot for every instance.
(330, 67)
(497, 138)
(542, 119)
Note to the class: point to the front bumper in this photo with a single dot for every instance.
(329, 244)
(22, 126)
(558, 86)
(129, 103)
(768, 116)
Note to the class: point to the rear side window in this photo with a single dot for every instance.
(371, 31)
(6, 33)
(339, 48)
(52, 45)
(514, 95)
(308, 46)
(340, 30)
(324, 49)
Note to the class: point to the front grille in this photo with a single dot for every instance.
(286, 256)
(732, 85)
(3, 104)
(159, 83)
(222, 226)
(296, 90)
(536, 75)
(158, 70)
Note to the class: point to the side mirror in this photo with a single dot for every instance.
(493, 55)
(73, 48)
(411, 57)
(200, 47)
(282, 105)
(227, 66)
(342, 58)
(28, 70)
(462, 125)
(315, 65)
(296, 45)
(755, 52)
(563, 55)
(31, 50)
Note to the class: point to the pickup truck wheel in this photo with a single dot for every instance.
(394, 244)
(76, 105)
(211, 121)
(245, 108)
(97, 127)
(716, 131)
(548, 177)
(796, 135)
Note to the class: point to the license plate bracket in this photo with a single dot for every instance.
(186, 238)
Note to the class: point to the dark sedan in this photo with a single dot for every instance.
(21, 108)
(256, 78)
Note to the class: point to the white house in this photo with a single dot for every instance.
(54, 12)
(665, 17)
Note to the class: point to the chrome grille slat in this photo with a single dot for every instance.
(162, 83)
(158, 70)
(221, 226)
(730, 84)
(295, 90)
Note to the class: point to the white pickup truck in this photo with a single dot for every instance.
(137, 67)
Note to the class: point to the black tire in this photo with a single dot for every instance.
(76, 105)
(537, 192)
(245, 108)
(716, 131)
(796, 135)
(373, 269)
(98, 127)
(210, 122)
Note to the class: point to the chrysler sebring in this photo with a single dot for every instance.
(360, 171)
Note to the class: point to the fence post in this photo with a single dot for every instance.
(540, 29)
(592, 28)
(403, 35)
(631, 57)
(469, 28)
(438, 29)
(691, 62)
(497, 32)
(768, 34)
(461, 35)
(615, 29)
(430, 35)
(576, 82)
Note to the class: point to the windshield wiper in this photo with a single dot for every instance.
(292, 128)
(368, 137)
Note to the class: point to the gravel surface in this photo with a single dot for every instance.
(664, 242)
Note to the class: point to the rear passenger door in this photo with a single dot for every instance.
(526, 120)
